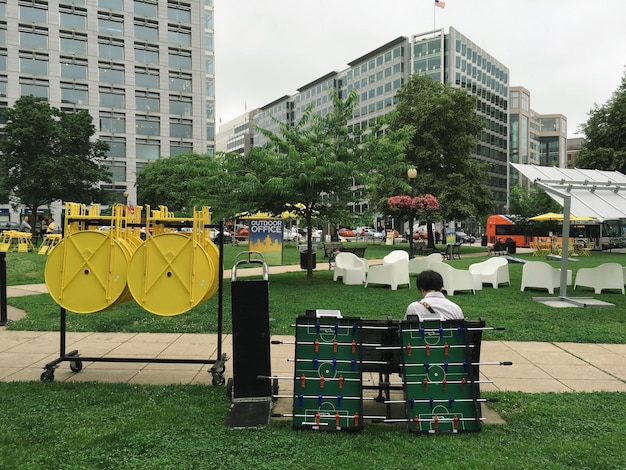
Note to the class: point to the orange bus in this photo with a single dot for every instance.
(505, 228)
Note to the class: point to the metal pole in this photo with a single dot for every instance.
(3, 289)
(411, 253)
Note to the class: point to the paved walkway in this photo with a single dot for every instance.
(537, 367)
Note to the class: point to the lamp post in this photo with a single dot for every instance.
(126, 198)
(411, 173)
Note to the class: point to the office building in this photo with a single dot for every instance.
(144, 69)
(447, 57)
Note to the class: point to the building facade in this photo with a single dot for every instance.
(376, 76)
(144, 69)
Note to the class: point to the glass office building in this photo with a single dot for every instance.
(447, 57)
(144, 69)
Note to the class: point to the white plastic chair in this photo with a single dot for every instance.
(350, 268)
(417, 265)
(395, 255)
(391, 274)
(494, 271)
(605, 276)
(454, 279)
(541, 275)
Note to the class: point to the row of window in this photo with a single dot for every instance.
(374, 63)
(35, 12)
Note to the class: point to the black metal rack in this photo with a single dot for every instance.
(76, 360)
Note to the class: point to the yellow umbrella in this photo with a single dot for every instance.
(554, 216)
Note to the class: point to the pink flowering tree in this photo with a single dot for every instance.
(423, 208)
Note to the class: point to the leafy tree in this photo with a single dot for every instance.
(48, 155)
(605, 135)
(307, 168)
(185, 181)
(531, 202)
(444, 132)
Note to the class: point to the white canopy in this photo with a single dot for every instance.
(594, 193)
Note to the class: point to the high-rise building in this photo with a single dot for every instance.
(144, 69)
(447, 57)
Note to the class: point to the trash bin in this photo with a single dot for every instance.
(483, 240)
(511, 246)
(304, 260)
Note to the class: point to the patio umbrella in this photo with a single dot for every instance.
(554, 216)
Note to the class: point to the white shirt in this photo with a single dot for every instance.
(444, 309)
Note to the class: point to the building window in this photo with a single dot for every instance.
(148, 149)
(34, 86)
(179, 12)
(147, 125)
(112, 97)
(111, 25)
(118, 171)
(179, 59)
(76, 94)
(180, 82)
(33, 13)
(33, 38)
(208, 61)
(146, 54)
(176, 148)
(73, 68)
(112, 122)
(148, 102)
(34, 64)
(181, 128)
(146, 78)
(73, 43)
(179, 36)
(208, 20)
(117, 146)
(111, 49)
(180, 105)
(3, 60)
(146, 8)
(111, 73)
(111, 4)
(73, 19)
(147, 30)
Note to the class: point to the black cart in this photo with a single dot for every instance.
(251, 387)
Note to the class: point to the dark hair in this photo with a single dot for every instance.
(429, 280)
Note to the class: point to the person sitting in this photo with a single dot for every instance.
(434, 305)
(51, 226)
(497, 247)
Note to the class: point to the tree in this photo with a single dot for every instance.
(185, 181)
(605, 135)
(307, 168)
(444, 132)
(531, 202)
(48, 155)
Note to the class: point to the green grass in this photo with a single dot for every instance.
(292, 294)
(95, 425)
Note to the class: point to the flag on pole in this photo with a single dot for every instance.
(440, 4)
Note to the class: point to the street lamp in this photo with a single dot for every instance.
(411, 173)
(126, 197)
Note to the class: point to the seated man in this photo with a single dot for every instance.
(433, 306)
(498, 246)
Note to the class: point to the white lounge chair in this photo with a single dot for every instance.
(392, 274)
(350, 268)
(395, 255)
(605, 276)
(419, 264)
(541, 275)
(494, 271)
(454, 279)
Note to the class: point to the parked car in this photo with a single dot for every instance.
(345, 232)
(462, 237)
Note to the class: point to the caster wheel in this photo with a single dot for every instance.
(76, 366)
(47, 376)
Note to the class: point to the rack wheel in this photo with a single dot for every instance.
(229, 387)
(47, 376)
(76, 366)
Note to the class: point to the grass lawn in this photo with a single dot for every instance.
(101, 425)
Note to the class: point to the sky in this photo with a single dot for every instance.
(570, 54)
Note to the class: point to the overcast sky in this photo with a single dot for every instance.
(570, 54)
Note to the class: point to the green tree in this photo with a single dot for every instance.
(445, 130)
(531, 202)
(307, 168)
(48, 155)
(605, 135)
(185, 181)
